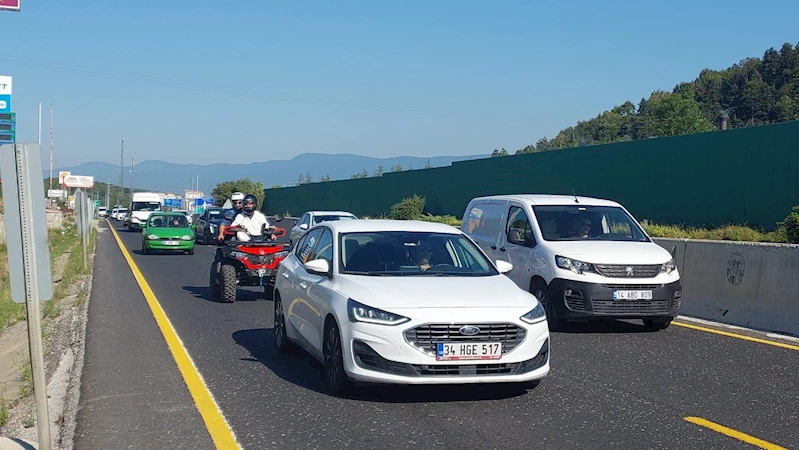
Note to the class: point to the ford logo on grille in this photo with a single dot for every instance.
(469, 330)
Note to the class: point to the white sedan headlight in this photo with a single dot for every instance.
(536, 315)
(359, 312)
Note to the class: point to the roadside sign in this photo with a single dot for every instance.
(61, 176)
(5, 85)
(97, 203)
(56, 193)
(28, 259)
(9, 5)
(20, 164)
(78, 181)
(5, 103)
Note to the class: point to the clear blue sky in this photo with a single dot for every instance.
(260, 80)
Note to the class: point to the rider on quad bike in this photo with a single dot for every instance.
(251, 255)
(237, 201)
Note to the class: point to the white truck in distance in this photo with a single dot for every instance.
(142, 204)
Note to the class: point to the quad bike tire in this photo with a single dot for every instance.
(215, 289)
(228, 283)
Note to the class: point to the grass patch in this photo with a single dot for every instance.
(3, 407)
(10, 312)
(26, 379)
(739, 233)
(60, 241)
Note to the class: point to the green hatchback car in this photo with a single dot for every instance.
(167, 231)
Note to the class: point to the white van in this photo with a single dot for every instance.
(141, 206)
(583, 258)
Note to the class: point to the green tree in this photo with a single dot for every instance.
(497, 153)
(379, 171)
(428, 165)
(410, 208)
(362, 174)
(396, 167)
(308, 178)
(324, 178)
(754, 91)
(224, 190)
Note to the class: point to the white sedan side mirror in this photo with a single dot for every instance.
(504, 266)
(318, 266)
(304, 226)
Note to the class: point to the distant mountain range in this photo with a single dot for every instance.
(171, 177)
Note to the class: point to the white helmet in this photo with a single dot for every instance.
(237, 196)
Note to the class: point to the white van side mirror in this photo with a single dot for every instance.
(504, 266)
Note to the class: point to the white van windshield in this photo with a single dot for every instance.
(583, 222)
(146, 206)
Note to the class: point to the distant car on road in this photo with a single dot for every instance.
(167, 231)
(406, 302)
(102, 211)
(184, 212)
(311, 218)
(583, 258)
(206, 227)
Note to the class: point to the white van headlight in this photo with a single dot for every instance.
(669, 266)
(536, 315)
(361, 313)
(572, 264)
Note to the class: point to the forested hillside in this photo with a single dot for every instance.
(756, 91)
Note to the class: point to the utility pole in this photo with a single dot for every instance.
(121, 170)
(131, 177)
(108, 193)
(51, 147)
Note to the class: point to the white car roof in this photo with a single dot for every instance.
(550, 199)
(350, 226)
(330, 213)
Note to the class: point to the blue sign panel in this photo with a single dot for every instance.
(5, 104)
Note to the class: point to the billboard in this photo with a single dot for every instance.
(5, 87)
(78, 181)
(56, 193)
(9, 5)
(61, 176)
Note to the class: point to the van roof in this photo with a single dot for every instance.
(550, 199)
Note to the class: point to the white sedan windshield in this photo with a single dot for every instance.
(400, 253)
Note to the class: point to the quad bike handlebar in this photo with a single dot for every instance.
(231, 230)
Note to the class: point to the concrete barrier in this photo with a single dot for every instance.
(753, 285)
(55, 218)
(2, 230)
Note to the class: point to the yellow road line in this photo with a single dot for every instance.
(220, 431)
(738, 336)
(734, 433)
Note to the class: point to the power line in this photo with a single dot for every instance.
(267, 95)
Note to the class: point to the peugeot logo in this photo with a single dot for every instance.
(469, 330)
(629, 270)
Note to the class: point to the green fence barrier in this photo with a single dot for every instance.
(746, 175)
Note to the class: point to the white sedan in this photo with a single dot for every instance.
(384, 301)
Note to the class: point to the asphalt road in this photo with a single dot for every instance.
(611, 386)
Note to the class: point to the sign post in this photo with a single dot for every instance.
(28, 258)
(81, 213)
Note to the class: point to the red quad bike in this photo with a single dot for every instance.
(251, 263)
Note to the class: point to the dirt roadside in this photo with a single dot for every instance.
(64, 338)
